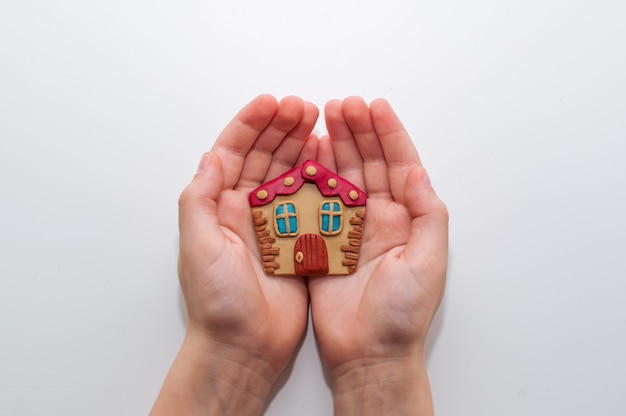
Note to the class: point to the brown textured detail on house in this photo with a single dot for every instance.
(272, 250)
(355, 234)
(356, 221)
(355, 242)
(352, 250)
(265, 240)
(271, 265)
(350, 267)
(270, 268)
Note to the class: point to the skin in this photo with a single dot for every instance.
(244, 326)
(230, 357)
(372, 325)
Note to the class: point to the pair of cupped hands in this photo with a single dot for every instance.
(371, 326)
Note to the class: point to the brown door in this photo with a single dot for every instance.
(310, 255)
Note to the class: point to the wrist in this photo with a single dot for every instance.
(377, 386)
(207, 378)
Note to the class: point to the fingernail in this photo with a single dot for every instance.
(204, 162)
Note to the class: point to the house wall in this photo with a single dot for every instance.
(307, 201)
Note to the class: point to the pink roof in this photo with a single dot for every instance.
(328, 183)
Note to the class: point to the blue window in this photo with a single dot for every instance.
(331, 218)
(286, 220)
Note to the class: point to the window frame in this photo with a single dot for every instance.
(331, 214)
(286, 216)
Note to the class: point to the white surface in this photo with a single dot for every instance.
(518, 109)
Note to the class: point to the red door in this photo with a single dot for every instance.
(310, 255)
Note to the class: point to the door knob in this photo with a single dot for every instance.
(299, 257)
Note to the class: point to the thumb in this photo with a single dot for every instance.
(429, 225)
(197, 205)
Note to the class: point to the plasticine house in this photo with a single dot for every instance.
(308, 221)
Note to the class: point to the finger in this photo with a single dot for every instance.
(198, 206)
(235, 141)
(288, 152)
(259, 158)
(400, 153)
(428, 242)
(325, 154)
(347, 156)
(359, 120)
(309, 150)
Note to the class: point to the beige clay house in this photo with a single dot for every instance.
(308, 221)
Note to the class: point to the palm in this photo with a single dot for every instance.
(390, 300)
(253, 300)
(376, 305)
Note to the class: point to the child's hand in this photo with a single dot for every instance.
(372, 325)
(243, 326)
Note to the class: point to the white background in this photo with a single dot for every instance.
(517, 107)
